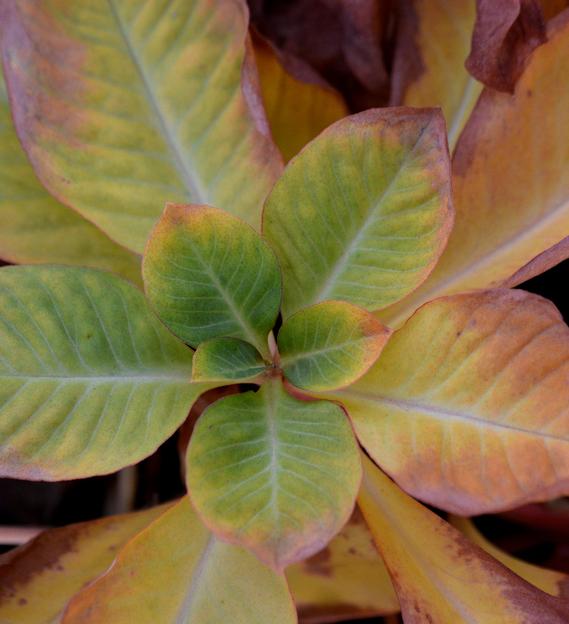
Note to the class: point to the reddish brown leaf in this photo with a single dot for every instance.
(505, 34)
(341, 40)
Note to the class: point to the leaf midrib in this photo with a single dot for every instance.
(304, 355)
(341, 263)
(441, 413)
(196, 192)
(196, 581)
(399, 527)
(252, 336)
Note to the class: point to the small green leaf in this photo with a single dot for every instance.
(329, 345)
(90, 380)
(273, 473)
(227, 359)
(363, 212)
(208, 275)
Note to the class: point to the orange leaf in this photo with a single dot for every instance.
(467, 407)
(297, 111)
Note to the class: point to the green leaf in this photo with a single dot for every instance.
(363, 212)
(227, 359)
(38, 229)
(273, 473)
(177, 572)
(90, 380)
(209, 275)
(137, 102)
(329, 345)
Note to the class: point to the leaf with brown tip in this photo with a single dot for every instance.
(467, 407)
(549, 581)
(38, 579)
(177, 572)
(505, 34)
(510, 208)
(438, 574)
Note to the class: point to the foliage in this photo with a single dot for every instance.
(359, 297)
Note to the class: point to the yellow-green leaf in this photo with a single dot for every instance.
(549, 581)
(138, 102)
(346, 580)
(297, 111)
(329, 345)
(38, 579)
(227, 359)
(208, 274)
(363, 213)
(36, 228)
(440, 33)
(438, 574)
(510, 181)
(90, 380)
(273, 473)
(177, 572)
(468, 406)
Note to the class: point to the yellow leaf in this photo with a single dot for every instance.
(440, 576)
(177, 572)
(440, 32)
(297, 111)
(37, 579)
(346, 579)
(138, 102)
(36, 228)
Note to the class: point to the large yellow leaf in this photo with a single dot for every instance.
(347, 579)
(177, 572)
(440, 33)
(38, 229)
(549, 581)
(468, 405)
(440, 576)
(297, 111)
(37, 579)
(123, 105)
(510, 180)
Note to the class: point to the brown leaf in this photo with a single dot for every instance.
(341, 40)
(505, 34)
